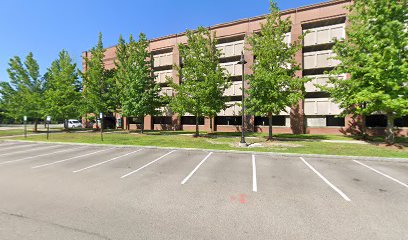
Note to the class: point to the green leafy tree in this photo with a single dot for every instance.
(375, 54)
(99, 90)
(23, 95)
(139, 94)
(62, 89)
(203, 80)
(273, 86)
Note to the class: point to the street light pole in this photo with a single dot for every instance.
(243, 62)
(101, 120)
(25, 126)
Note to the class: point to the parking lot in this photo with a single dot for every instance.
(63, 191)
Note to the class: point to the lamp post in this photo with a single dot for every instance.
(243, 62)
(101, 120)
(25, 126)
(48, 121)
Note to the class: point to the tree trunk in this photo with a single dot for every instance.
(35, 125)
(270, 127)
(389, 131)
(364, 127)
(211, 125)
(197, 133)
(142, 126)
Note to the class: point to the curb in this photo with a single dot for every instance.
(323, 156)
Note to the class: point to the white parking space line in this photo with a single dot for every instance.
(254, 181)
(195, 169)
(16, 147)
(326, 181)
(42, 155)
(381, 173)
(30, 150)
(72, 158)
(157, 159)
(110, 160)
(9, 143)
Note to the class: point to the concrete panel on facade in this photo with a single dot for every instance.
(232, 68)
(164, 59)
(319, 59)
(320, 80)
(234, 109)
(321, 106)
(324, 35)
(234, 90)
(166, 91)
(162, 75)
(231, 49)
(316, 121)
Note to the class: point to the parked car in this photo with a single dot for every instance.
(73, 123)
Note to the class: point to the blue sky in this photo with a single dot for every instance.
(45, 27)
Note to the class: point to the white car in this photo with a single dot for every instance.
(73, 123)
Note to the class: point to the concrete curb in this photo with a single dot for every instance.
(322, 156)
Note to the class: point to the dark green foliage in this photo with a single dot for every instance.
(375, 54)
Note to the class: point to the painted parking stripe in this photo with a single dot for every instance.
(30, 150)
(72, 158)
(254, 180)
(195, 169)
(342, 194)
(381, 173)
(9, 143)
(157, 159)
(42, 155)
(110, 160)
(17, 146)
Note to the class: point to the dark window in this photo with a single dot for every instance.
(376, 121)
(191, 120)
(228, 120)
(234, 98)
(162, 120)
(134, 120)
(333, 121)
(401, 122)
(276, 121)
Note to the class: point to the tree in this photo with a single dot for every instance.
(273, 85)
(99, 91)
(22, 96)
(62, 89)
(203, 80)
(139, 94)
(374, 54)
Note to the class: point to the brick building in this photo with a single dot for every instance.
(315, 114)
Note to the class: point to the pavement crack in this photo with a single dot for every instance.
(18, 215)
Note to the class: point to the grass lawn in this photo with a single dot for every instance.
(230, 142)
(13, 132)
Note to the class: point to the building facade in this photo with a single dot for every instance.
(316, 114)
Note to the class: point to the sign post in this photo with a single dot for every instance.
(25, 126)
(101, 119)
(48, 121)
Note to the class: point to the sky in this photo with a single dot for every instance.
(45, 27)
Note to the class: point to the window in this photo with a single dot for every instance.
(276, 121)
(401, 122)
(333, 121)
(162, 120)
(191, 120)
(376, 121)
(230, 120)
(134, 120)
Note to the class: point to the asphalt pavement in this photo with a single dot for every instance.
(67, 191)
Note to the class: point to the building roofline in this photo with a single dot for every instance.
(250, 19)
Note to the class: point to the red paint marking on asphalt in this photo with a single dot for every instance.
(242, 199)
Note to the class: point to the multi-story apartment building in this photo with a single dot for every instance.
(324, 22)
